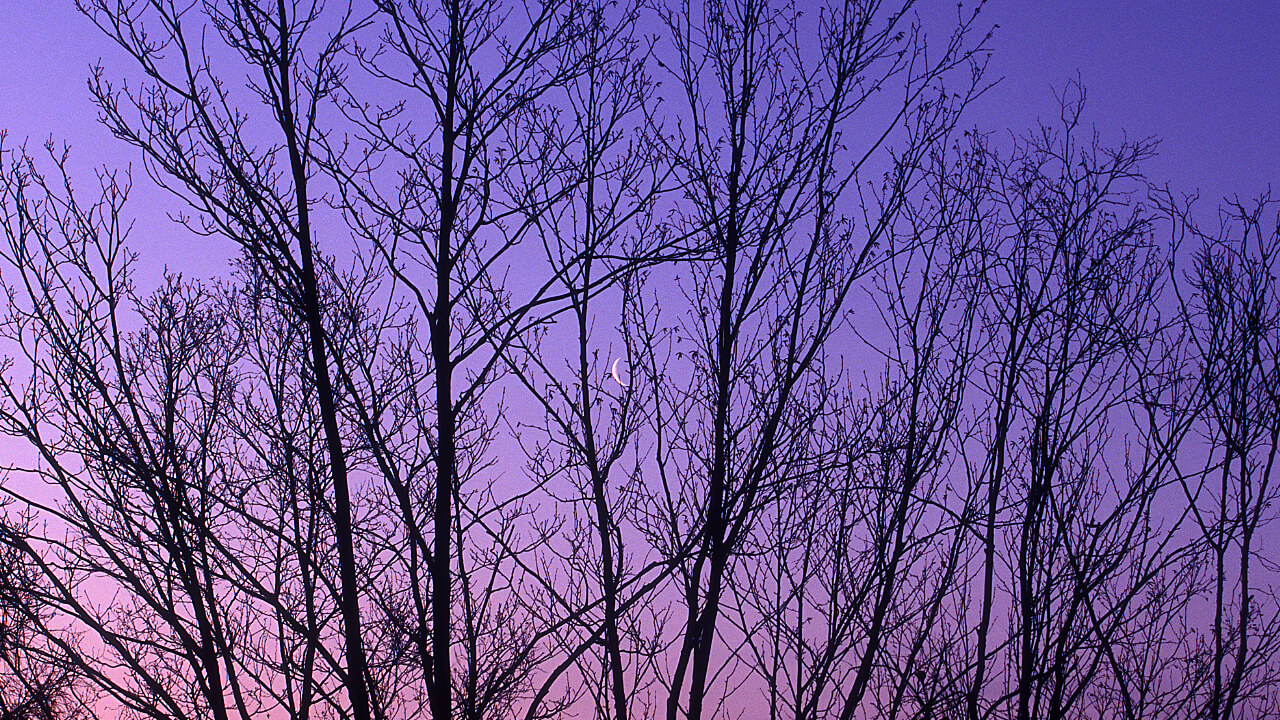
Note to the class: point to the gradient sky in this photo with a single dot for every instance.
(1203, 76)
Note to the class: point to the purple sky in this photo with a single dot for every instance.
(1203, 76)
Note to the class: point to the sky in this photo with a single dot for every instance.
(1202, 76)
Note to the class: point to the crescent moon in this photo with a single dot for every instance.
(614, 373)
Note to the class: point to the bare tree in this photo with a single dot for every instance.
(464, 178)
(38, 680)
(191, 129)
(568, 369)
(176, 438)
(599, 244)
(128, 428)
(776, 179)
(1230, 305)
(1074, 463)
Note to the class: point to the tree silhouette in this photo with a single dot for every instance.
(636, 360)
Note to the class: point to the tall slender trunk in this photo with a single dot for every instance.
(599, 478)
(1004, 417)
(1219, 608)
(716, 526)
(1247, 526)
(446, 420)
(357, 690)
(604, 526)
